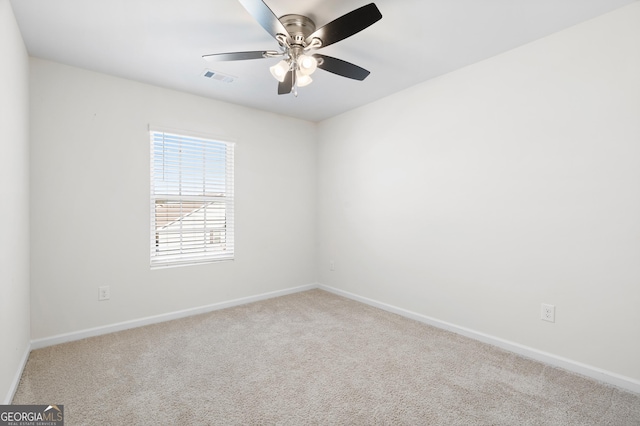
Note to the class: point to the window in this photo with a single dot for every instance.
(191, 200)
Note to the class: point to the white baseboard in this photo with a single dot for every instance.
(596, 373)
(97, 331)
(16, 379)
(545, 357)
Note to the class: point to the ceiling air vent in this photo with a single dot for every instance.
(215, 75)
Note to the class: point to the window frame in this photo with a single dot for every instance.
(178, 249)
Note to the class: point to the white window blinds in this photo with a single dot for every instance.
(191, 199)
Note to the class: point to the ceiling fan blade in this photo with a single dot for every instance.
(342, 68)
(240, 56)
(286, 86)
(347, 25)
(265, 17)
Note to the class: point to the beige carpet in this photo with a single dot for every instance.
(309, 358)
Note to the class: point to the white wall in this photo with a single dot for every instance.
(90, 201)
(14, 192)
(475, 197)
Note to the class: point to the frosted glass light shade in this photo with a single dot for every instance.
(307, 64)
(303, 80)
(279, 70)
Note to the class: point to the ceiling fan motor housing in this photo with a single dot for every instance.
(299, 27)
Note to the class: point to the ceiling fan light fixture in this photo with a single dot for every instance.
(302, 79)
(280, 70)
(307, 64)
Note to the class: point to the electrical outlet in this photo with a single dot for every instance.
(332, 265)
(104, 292)
(548, 313)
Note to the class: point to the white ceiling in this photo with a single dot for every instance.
(161, 42)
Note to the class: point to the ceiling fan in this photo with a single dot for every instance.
(297, 38)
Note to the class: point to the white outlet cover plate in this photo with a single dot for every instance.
(548, 312)
(104, 293)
